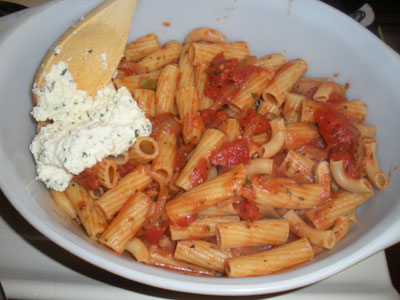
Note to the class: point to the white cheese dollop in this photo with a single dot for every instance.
(84, 130)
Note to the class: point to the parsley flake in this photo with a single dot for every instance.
(248, 181)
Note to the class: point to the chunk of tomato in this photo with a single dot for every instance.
(154, 234)
(125, 168)
(199, 174)
(231, 154)
(248, 211)
(335, 128)
(87, 179)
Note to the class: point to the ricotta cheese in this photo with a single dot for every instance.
(85, 130)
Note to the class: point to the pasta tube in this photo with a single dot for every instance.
(270, 261)
(206, 194)
(128, 221)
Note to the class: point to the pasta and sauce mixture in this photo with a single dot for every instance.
(251, 168)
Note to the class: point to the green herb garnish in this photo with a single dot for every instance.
(149, 84)
(248, 180)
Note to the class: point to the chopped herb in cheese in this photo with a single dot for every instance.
(84, 130)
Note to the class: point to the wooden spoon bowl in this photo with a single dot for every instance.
(92, 47)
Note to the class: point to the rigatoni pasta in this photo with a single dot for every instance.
(243, 151)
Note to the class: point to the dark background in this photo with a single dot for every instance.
(388, 17)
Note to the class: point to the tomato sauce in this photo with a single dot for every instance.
(341, 136)
(126, 168)
(253, 123)
(335, 128)
(350, 164)
(199, 174)
(182, 155)
(185, 221)
(224, 80)
(165, 123)
(154, 234)
(248, 211)
(231, 154)
(87, 179)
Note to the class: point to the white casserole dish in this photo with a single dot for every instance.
(329, 41)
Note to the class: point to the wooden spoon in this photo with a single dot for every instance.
(92, 47)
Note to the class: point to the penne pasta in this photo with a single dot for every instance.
(327, 89)
(306, 86)
(270, 261)
(200, 53)
(203, 254)
(277, 90)
(323, 178)
(200, 78)
(300, 134)
(206, 194)
(292, 196)
(354, 109)
(366, 131)
(259, 166)
(167, 54)
(137, 81)
(146, 100)
(106, 173)
(247, 234)
(231, 129)
(143, 150)
(211, 140)
(273, 62)
(200, 228)
(165, 91)
(205, 34)
(167, 148)
(341, 227)
(113, 200)
(141, 47)
(127, 222)
(62, 201)
(292, 107)
(186, 69)
(214, 210)
(165, 260)
(251, 92)
(266, 107)
(298, 166)
(342, 204)
(83, 204)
